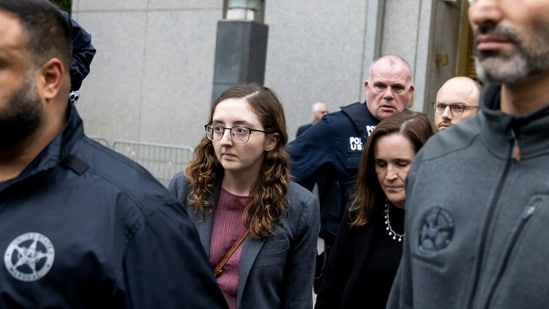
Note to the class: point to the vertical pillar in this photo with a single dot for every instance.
(241, 45)
(240, 54)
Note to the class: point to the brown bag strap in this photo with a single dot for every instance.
(218, 269)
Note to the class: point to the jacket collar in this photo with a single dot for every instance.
(56, 150)
(502, 131)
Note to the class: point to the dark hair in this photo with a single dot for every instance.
(415, 127)
(268, 196)
(48, 34)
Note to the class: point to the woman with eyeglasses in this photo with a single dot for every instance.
(259, 229)
(365, 257)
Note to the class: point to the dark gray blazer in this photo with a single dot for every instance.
(277, 271)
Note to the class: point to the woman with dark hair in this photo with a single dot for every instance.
(366, 254)
(259, 228)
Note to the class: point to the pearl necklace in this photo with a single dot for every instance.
(395, 235)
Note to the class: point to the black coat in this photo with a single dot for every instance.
(362, 264)
(331, 149)
(85, 227)
(302, 129)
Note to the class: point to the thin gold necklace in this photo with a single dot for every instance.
(392, 233)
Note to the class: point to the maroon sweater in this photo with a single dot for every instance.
(227, 228)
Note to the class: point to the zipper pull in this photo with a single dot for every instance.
(516, 151)
(516, 148)
(529, 212)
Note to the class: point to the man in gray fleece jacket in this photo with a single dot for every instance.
(477, 207)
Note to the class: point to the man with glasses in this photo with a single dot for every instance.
(332, 147)
(457, 100)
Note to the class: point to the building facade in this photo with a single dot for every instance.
(151, 79)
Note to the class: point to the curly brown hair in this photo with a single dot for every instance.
(267, 200)
(414, 126)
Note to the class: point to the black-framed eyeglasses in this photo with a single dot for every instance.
(239, 134)
(455, 108)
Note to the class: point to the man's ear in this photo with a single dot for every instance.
(50, 79)
(272, 141)
(411, 97)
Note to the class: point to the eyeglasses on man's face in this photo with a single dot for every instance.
(455, 108)
(239, 134)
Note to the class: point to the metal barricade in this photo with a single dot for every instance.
(101, 140)
(162, 160)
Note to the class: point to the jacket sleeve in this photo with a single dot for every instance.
(316, 151)
(165, 266)
(300, 264)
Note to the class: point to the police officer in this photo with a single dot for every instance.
(333, 146)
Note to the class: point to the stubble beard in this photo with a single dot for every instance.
(21, 116)
(526, 60)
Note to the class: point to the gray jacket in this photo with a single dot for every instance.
(277, 271)
(477, 215)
